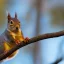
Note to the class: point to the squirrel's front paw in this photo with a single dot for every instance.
(17, 42)
(26, 39)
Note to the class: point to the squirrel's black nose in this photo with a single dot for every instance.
(16, 28)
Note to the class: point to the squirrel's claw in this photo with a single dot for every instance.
(26, 39)
(17, 42)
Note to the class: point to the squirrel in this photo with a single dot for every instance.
(11, 36)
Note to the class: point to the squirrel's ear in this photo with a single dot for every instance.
(15, 15)
(9, 17)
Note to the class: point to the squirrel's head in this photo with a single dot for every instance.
(13, 23)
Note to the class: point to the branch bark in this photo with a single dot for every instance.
(57, 61)
(32, 40)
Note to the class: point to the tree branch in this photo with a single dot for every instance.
(57, 61)
(32, 40)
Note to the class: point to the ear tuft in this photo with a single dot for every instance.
(9, 17)
(15, 15)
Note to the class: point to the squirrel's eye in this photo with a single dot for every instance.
(11, 22)
(19, 22)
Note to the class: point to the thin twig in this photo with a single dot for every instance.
(32, 40)
(57, 61)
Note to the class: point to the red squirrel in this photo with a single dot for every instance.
(12, 35)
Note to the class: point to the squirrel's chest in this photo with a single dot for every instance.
(17, 35)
